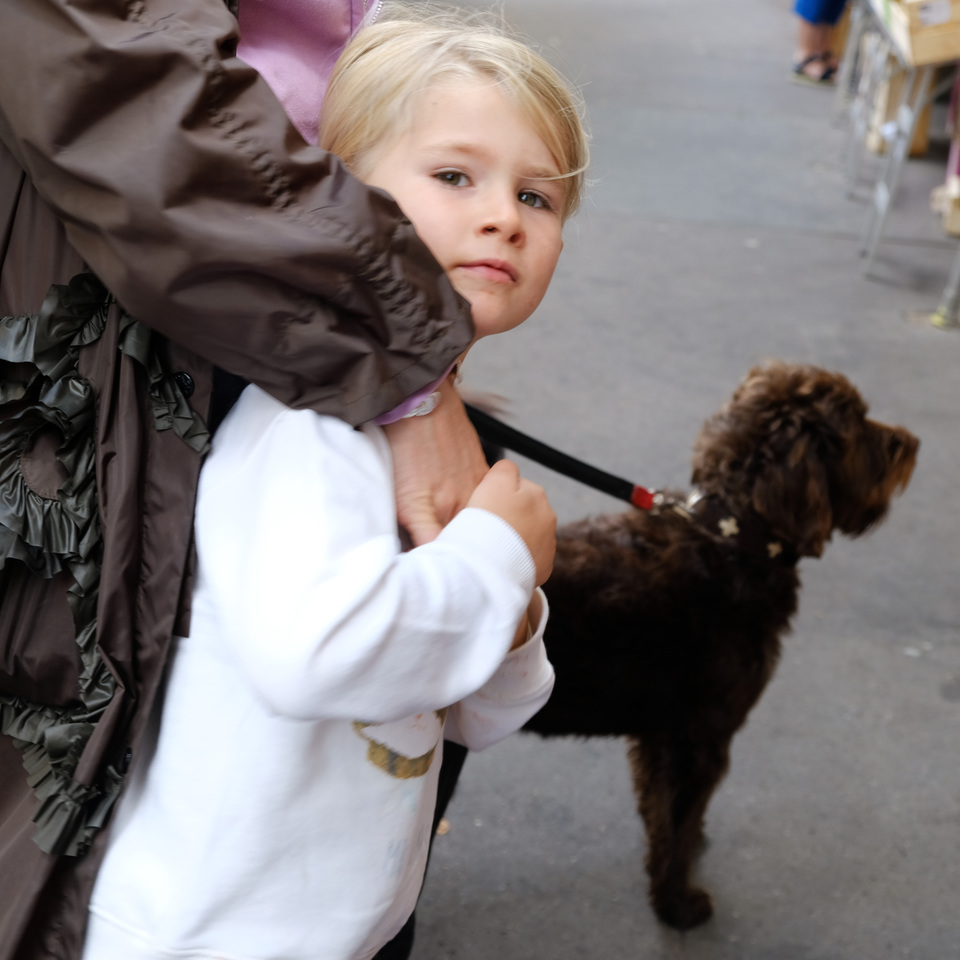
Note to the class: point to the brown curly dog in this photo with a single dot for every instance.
(665, 626)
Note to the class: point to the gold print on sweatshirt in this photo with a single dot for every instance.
(403, 749)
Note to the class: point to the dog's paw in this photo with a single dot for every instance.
(686, 910)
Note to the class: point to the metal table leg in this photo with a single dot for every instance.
(874, 71)
(850, 61)
(946, 314)
(919, 78)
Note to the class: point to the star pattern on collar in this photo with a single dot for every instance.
(729, 526)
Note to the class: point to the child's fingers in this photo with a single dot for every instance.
(505, 472)
(524, 505)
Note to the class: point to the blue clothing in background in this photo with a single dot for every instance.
(819, 11)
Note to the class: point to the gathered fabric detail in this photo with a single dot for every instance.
(51, 526)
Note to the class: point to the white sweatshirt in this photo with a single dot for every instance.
(285, 811)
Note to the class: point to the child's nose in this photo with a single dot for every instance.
(501, 215)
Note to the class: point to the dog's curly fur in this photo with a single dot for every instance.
(667, 633)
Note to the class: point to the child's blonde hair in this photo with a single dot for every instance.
(379, 75)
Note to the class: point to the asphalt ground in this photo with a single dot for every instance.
(718, 232)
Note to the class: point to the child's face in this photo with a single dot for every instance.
(468, 174)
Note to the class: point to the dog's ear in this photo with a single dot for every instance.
(771, 459)
(791, 493)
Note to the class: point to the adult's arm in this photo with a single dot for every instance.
(437, 463)
(183, 185)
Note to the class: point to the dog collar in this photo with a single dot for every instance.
(746, 532)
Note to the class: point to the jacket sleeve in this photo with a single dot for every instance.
(183, 185)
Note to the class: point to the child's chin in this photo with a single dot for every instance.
(488, 326)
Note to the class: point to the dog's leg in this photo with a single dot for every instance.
(674, 778)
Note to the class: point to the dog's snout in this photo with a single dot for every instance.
(906, 443)
(897, 449)
(898, 443)
(902, 446)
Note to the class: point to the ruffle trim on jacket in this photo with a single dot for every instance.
(170, 408)
(42, 393)
(70, 812)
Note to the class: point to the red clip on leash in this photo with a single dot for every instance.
(642, 498)
(497, 432)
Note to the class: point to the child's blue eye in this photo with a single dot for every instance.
(532, 199)
(452, 177)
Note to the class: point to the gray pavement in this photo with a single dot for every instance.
(717, 234)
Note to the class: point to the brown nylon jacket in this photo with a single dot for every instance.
(134, 143)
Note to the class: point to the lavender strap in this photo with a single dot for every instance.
(408, 406)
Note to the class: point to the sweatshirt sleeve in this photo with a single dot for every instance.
(301, 582)
(521, 685)
(183, 185)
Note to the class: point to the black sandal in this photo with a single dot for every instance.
(826, 78)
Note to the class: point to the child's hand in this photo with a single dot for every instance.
(524, 505)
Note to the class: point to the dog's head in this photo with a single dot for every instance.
(794, 445)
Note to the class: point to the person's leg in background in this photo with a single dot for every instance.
(813, 60)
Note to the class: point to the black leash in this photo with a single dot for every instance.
(495, 431)
(708, 512)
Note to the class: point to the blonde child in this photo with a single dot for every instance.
(285, 811)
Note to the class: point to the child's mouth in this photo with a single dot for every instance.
(498, 271)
